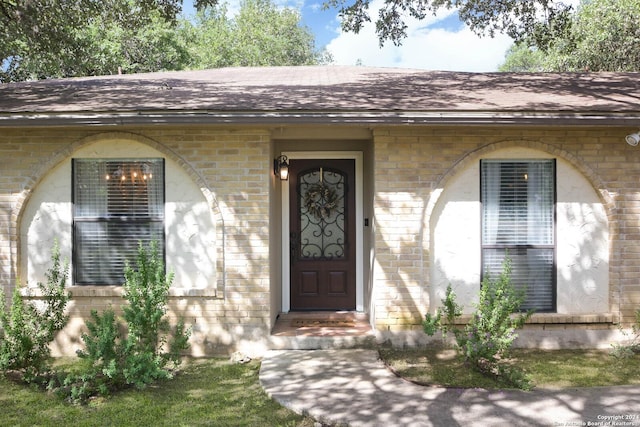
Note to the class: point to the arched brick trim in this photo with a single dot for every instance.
(575, 161)
(606, 197)
(62, 155)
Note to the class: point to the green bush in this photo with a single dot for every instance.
(491, 332)
(451, 310)
(632, 346)
(30, 326)
(146, 290)
(132, 353)
(104, 367)
(486, 340)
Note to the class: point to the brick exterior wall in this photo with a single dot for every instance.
(412, 164)
(233, 165)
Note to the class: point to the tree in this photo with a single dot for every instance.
(605, 36)
(266, 35)
(521, 58)
(519, 19)
(110, 36)
(601, 36)
(261, 34)
(110, 46)
(209, 36)
(63, 38)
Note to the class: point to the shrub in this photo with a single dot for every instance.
(451, 310)
(134, 353)
(632, 346)
(491, 332)
(104, 358)
(28, 328)
(146, 290)
(486, 340)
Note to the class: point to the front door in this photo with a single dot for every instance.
(322, 234)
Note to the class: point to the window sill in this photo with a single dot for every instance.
(116, 291)
(559, 319)
(546, 318)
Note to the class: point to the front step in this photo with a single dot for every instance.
(322, 330)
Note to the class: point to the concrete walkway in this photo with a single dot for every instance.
(353, 387)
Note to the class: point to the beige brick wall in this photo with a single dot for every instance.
(412, 164)
(234, 165)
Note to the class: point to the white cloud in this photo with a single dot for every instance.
(428, 46)
(316, 7)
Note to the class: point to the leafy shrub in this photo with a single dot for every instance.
(451, 310)
(28, 328)
(134, 353)
(486, 340)
(632, 347)
(491, 332)
(147, 290)
(104, 356)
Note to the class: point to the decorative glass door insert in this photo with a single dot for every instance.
(322, 234)
(321, 196)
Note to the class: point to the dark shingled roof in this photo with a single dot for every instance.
(323, 93)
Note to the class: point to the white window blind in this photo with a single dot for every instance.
(118, 204)
(518, 221)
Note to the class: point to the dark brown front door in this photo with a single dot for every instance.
(322, 240)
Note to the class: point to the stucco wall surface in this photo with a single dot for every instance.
(189, 222)
(216, 224)
(427, 212)
(425, 219)
(582, 238)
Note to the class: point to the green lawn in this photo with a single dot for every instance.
(211, 392)
(547, 369)
(207, 392)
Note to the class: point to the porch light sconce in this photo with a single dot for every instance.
(281, 168)
(633, 139)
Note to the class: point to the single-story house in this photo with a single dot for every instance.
(400, 183)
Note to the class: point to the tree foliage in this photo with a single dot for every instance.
(261, 34)
(60, 38)
(517, 18)
(258, 29)
(601, 36)
(521, 58)
(69, 38)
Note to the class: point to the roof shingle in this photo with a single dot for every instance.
(326, 90)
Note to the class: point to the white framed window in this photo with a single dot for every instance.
(117, 204)
(518, 220)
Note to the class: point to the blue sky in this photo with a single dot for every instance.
(437, 43)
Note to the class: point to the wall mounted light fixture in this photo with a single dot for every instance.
(281, 167)
(633, 139)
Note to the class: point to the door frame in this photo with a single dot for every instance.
(357, 156)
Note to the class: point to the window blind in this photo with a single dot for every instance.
(518, 221)
(532, 273)
(118, 204)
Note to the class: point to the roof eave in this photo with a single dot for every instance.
(199, 117)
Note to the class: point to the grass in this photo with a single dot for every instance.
(206, 392)
(546, 368)
(215, 392)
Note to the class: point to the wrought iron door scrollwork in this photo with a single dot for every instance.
(322, 213)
